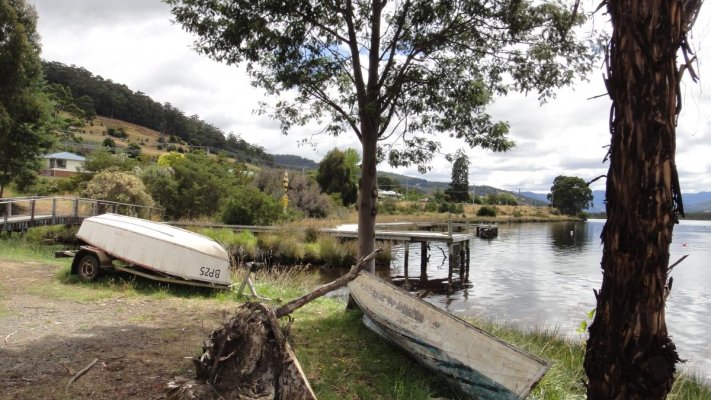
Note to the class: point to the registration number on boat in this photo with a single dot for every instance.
(210, 272)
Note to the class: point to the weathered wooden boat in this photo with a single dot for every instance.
(167, 253)
(474, 362)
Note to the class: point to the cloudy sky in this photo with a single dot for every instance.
(135, 43)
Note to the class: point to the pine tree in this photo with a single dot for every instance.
(458, 190)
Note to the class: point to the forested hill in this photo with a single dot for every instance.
(96, 95)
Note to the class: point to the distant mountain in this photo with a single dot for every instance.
(697, 202)
(293, 161)
(541, 197)
(693, 202)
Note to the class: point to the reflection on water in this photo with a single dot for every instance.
(543, 275)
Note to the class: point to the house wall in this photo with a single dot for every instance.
(72, 167)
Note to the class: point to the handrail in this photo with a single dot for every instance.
(5, 200)
(76, 214)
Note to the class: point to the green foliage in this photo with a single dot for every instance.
(56, 234)
(110, 143)
(500, 198)
(117, 132)
(338, 173)
(24, 108)
(570, 195)
(133, 150)
(486, 211)
(168, 159)
(243, 245)
(249, 206)
(201, 186)
(440, 63)
(118, 186)
(388, 183)
(458, 190)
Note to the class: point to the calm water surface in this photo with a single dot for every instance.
(542, 276)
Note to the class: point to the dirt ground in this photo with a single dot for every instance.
(141, 343)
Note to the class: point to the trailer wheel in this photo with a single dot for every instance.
(88, 268)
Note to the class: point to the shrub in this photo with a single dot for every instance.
(249, 206)
(486, 211)
(117, 132)
(56, 234)
(118, 186)
(108, 142)
(133, 150)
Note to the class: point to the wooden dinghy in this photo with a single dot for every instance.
(157, 247)
(476, 363)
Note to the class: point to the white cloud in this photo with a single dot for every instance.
(133, 42)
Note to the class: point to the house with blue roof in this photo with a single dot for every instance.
(62, 164)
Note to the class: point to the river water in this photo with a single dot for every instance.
(542, 275)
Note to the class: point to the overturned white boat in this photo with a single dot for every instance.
(165, 252)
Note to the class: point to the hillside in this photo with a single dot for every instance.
(79, 92)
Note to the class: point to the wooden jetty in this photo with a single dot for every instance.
(458, 252)
(22, 213)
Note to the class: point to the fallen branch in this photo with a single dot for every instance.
(671, 267)
(294, 305)
(79, 374)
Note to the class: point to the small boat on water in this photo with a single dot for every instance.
(159, 248)
(474, 362)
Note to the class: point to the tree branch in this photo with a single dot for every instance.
(294, 305)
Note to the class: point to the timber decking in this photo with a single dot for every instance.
(18, 214)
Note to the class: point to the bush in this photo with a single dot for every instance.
(133, 150)
(108, 142)
(486, 211)
(242, 245)
(117, 132)
(249, 206)
(117, 186)
(56, 234)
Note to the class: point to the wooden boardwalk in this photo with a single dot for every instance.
(22, 213)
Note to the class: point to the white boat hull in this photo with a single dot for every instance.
(158, 247)
(476, 363)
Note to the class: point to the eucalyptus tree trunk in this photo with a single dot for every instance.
(629, 353)
(367, 194)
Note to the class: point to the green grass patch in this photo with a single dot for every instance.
(344, 360)
(19, 249)
(565, 378)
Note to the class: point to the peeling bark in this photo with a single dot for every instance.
(629, 353)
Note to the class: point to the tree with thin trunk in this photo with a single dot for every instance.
(395, 73)
(629, 354)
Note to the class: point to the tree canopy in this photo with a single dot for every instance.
(24, 109)
(570, 195)
(395, 73)
(337, 173)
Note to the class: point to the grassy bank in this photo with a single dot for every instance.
(341, 358)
